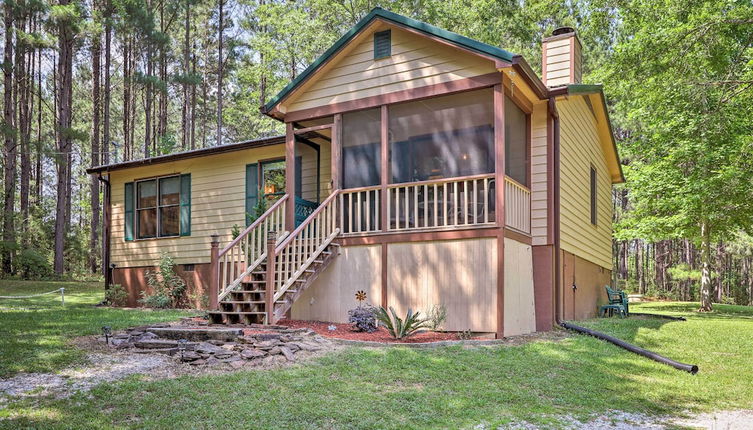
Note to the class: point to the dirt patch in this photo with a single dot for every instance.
(619, 420)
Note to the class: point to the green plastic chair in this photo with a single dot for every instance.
(617, 301)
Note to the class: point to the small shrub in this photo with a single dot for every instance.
(436, 316)
(201, 299)
(363, 318)
(33, 265)
(397, 327)
(168, 288)
(465, 334)
(116, 295)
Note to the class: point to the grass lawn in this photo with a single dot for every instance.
(446, 387)
(34, 332)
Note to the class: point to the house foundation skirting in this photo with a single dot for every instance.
(589, 280)
(133, 280)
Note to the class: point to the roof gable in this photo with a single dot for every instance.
(378, 17)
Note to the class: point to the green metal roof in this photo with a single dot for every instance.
(454, 38)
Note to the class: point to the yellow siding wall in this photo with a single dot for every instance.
(539, 174)
(334, 291)
(520, 312)
(308, 170)
(459, 274)
(217, 203)
(416, 61)
(579, 150)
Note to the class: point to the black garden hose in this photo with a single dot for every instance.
(692, 368)
(666, 317)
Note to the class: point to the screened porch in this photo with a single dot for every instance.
(440, 165)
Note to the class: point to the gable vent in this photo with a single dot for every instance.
(382, 44)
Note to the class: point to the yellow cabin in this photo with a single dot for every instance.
(420, 166)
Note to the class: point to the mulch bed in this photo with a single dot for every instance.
(344, 331)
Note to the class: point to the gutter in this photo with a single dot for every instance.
(106, 222)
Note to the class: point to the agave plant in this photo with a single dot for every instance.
(397, 327)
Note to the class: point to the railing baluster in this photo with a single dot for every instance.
(368, 210)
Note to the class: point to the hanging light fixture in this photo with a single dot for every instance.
(182, 343)
(107, 332)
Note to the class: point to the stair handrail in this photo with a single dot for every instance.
(247, 251)
(301, 247)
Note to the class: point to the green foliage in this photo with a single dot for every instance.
(32, 264)
(116, 295)
(683, 272)
(436, 316)
(397, 327)
(168, 290)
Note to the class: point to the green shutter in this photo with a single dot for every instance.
(185, 204)
(128, 211)
(299, 176)
(382, 44)
(252, 190)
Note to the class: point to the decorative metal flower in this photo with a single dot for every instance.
(360, 296)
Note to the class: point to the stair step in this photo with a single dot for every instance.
(251, 302)
(237, 313)
(249, 291)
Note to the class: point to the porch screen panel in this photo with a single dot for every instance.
(361, 136)
(442, 137)
(516, 142)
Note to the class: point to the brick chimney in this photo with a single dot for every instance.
(561, 58)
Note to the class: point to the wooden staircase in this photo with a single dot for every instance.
(246, 304)
(261, 273)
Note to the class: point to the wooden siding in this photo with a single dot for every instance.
(333, 292)
(217, 203)
(580, 148)
(520, 310)
(562, 58)
(459, 274)
(308, 170)
(415, 62)
(539, 197)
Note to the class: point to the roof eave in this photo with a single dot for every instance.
(203, 152)
(587, 89)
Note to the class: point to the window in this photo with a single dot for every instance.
(442, 137)
(593, 196)
(162, 207)
(361, 155)
(382, 44)
(516, 142)
(273, 180)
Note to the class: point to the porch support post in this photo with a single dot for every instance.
(384, 157)
(336, 145)
(290, 176)
(214, 273)
(383, 199)
(499, 175)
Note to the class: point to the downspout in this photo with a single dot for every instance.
(106, 270)
(556, 201)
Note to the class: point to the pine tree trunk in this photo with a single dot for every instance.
(107, 95)
(220, 68)
(24, 126)
(10, 141)
(65, 84)
(126, 97)
(94, 185)
(705, 268)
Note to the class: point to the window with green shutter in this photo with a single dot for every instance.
(158, 207)
(252, 191)
(185, 204)
(128, 202)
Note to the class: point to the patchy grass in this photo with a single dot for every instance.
(450, 387)
(34, 333)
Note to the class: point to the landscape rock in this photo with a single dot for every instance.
(250, 354)
(287, 353)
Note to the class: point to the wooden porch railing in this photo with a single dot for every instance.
(293, 256)
(517, 206)
(450, 202)
(247, 251)
(359, 210)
